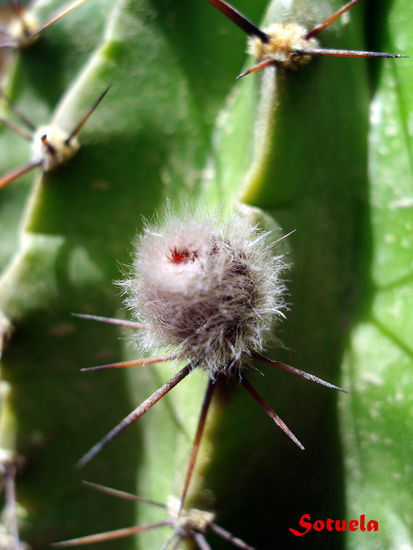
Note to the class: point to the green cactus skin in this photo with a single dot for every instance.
(376, 421)
(303, 148)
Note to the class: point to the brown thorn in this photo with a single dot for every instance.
(110, 535)
(197, 440)
(15, 174)
(257, 67)
(297, 372)
(122, 494)
(110, 321)
(8, 45)
(17, 112)
(201, 541)
(16, 129)
(135, 414)
(271, 413)
(133, 363)
(169, 540)
(58, 16)
(177, 543)
(86, 117)
(327, 22)
(240, 20)
(226, 535)
(346, 53)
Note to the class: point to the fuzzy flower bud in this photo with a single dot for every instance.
(206, 291)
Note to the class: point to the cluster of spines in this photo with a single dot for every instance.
(51, 146)
(289, 45)
(25, 28)
(184, 262)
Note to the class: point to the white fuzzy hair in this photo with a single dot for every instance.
(207, 291)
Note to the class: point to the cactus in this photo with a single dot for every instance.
(323, 151)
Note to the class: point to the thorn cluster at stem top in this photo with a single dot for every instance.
(285, 39)
(22, 30)
(52, 147)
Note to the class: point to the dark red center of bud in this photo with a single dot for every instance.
(182, 256)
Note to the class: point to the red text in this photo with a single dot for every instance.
(334, 525)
